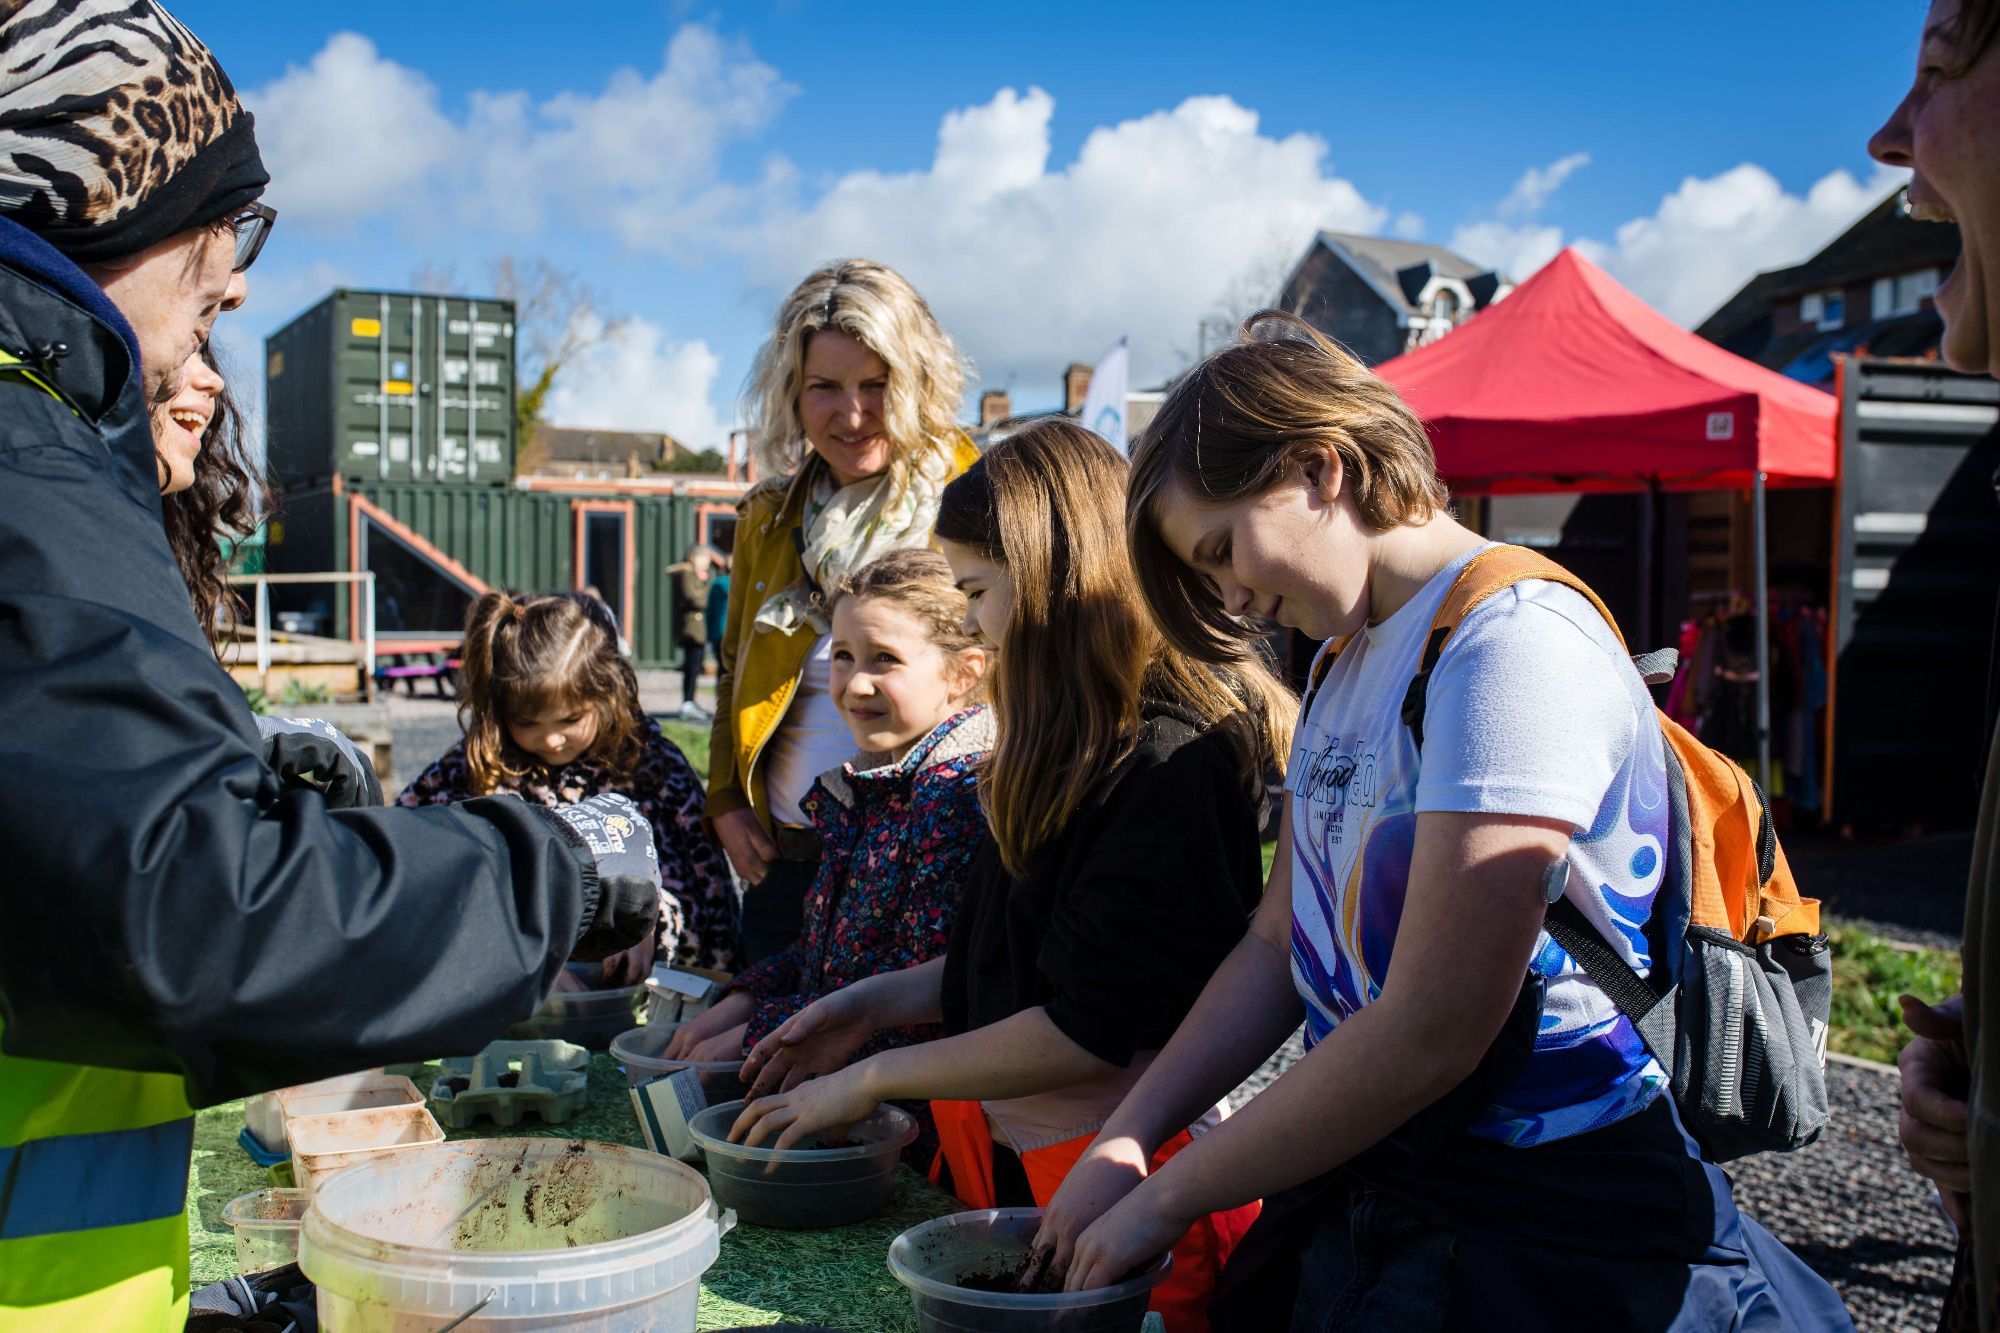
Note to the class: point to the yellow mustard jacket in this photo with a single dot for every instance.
(753, 688)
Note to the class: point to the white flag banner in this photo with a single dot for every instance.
(1104, 405)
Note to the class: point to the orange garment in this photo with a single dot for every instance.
(965, 1148)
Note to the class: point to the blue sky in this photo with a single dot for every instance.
(1053, 177)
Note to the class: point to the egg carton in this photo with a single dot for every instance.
(509, 1079)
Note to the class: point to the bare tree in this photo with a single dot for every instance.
(1258, 285)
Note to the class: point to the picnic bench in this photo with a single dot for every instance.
(409, 668)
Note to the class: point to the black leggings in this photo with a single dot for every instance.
(693, 654)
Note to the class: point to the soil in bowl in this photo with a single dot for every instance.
(1009, 1280)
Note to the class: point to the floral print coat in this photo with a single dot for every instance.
(701, 910)
(896, 846)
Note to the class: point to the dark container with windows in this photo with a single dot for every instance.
(389, 387)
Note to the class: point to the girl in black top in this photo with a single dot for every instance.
(1120, 866)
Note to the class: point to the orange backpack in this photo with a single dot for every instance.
(1736, 1004)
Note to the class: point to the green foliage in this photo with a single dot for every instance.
(692, 737)
(1868, 974)
(260, 702)
(298, 693)
(528, 402)
(683, 460)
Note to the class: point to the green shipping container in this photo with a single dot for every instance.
(417, 539)
(393, 387)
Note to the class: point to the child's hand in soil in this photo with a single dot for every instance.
(822, 1103)
(726, 1045)
(731, 1012)
(1109, 1170)
(1131, 1236)
(819, 1039)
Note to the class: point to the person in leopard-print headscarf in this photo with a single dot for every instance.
(184, 927)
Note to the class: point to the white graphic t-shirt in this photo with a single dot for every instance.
(1533, 709)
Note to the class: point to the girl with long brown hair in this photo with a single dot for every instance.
(1122, 861)
(209, 487)
(551, 713)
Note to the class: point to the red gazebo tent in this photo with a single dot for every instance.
(1574, 384)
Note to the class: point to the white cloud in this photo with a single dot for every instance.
(349, 135)
(1704, 241)
(1513, 241)
(354, 135)
(1029, 266)
(1710, 236)
(1537, 184)
(639, 379)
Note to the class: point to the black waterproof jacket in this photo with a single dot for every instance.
(163, 905)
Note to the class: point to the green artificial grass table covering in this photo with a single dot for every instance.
(837, 1277)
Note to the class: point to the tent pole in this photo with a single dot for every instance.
(1763, 637)
(1648, 539)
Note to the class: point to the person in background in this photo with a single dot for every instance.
(208, 485)
(1475, 1138)
(692, 577)
(1121, 863)
(1946, 131)
(182, 929)
(897, 833)
(550, 710)
(718, 601)
(854, 401)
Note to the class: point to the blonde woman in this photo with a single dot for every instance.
(853, 403)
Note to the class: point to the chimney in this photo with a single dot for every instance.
(995, 405)
(1076, 387)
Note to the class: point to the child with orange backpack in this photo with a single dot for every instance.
(1491, 1127)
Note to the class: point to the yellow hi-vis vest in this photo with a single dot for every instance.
(93, 1198)
(93, 1184)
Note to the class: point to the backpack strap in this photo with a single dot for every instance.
(1493, 570)
(1652, 1014)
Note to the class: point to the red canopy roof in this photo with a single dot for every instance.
(1573, 383)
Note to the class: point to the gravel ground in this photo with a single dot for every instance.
(1848, 1205)
(1910, 889)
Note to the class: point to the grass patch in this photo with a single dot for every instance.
(1868, 974)
(692, 737)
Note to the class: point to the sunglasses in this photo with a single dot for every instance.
(252, 227)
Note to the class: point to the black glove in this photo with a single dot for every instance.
(306, 752)
(627, 906)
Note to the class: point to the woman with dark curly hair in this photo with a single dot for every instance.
(208, 484)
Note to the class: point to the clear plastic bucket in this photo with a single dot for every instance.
(639, 1050)
(808, 1186)
(931, 1258)
(526, 1234)
(267, 1227)
(587, 1017)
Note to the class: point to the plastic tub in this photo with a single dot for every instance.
(265, 1121)
(639, 1051)
(804, 1187)
(930, 1259)
(267, 1227)
(587, 1017)
(379, 1091)
(563, 1234)
(324, 1144)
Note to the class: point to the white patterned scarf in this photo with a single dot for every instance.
(847, 528)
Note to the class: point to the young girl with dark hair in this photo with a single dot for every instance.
(1122, 861)
(551, 713)
(1476, 1137)
(208, 485)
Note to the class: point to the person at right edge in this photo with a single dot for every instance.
(183, 927)
(1947, 132)
(854, 398)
